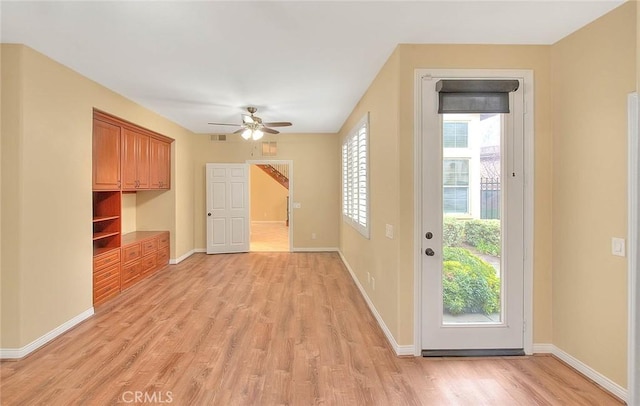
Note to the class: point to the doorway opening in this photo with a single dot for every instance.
(270, 196)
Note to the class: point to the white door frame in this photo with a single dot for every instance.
(633, 228)
(278, 161)
(527, 76)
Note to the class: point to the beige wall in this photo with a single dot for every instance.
(593, 70)
(11, 81)
(316, 181)
(378, 255)
(129, 212)
(49, 273)
(268, 197)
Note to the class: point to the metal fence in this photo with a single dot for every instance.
(490, 198)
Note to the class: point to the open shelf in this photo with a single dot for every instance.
(104, 218)
(99, 236)
(107, 209)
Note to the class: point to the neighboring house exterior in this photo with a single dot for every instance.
(471, 165)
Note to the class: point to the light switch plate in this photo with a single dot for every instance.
(618, 246)
(388, 231)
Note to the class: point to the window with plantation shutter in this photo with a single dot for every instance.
(355, 177)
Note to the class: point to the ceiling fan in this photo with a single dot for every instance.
(253, 127)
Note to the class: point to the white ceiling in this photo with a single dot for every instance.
(308, 62)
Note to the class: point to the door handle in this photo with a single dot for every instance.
(429, 252)
(209, 214)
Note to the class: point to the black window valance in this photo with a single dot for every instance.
(474, 96)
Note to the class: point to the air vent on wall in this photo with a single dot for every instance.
(218, 137)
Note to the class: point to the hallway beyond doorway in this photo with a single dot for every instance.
(272, 236)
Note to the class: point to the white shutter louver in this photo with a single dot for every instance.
(355, 177)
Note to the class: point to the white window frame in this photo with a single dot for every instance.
(355, 148)
(455, 122)
(467, 212)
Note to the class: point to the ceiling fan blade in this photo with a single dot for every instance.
(270, 130)
(239, 130)
(247, 119)
(224, 124)
(278, 124)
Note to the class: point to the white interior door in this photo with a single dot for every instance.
(473, 229)
(227, 208)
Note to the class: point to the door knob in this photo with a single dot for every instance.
(209, 214)
(429, 252)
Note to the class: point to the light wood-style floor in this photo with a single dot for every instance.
(268, 237)
(265, 329)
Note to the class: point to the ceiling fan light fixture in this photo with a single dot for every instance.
(257, 134)
(246, 134)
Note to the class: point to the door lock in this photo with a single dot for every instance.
(428, 235)
(429, 252)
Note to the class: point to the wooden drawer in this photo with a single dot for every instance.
(131, 252)
(105, 274)
(107, 289)
(149, 246)
(106, 259)
(162, 258)
(149, 263)
(130, 274)
(163, 240)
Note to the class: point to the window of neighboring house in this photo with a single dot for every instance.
(455, 134)
(455, 181)
(355, 177)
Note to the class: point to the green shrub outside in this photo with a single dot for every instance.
(484, 235)
(452, 232)
(470, 285)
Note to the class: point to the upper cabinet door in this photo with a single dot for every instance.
(135, 160)
(160, 164)
(142, 161)
(106, 156)
(129, 175)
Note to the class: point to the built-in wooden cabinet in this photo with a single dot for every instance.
(143, 253)
(126, 158)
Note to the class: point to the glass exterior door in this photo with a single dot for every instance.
(472, 211)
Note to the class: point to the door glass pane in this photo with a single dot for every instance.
(472, 229)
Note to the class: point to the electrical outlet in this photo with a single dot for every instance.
(373, 283)
(313, 236)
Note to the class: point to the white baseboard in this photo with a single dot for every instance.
(17, 353)
(399, 349)
(317, 249)
(584, 369)
(175, 261)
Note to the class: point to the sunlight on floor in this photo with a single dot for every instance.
(269, 237)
